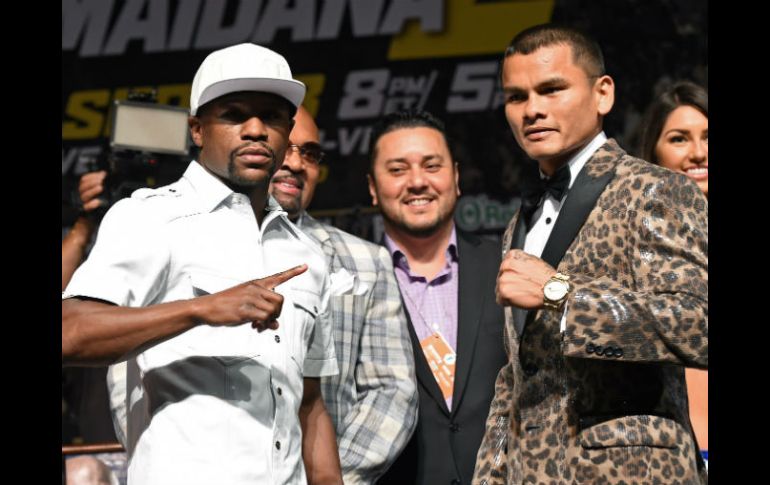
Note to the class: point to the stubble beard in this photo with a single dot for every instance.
(418, 231)
(244, 185)
(292, 206)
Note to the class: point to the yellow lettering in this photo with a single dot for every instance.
(323, 174)
(175, 94)
(462, 36)
(315, 87)
(86, 121)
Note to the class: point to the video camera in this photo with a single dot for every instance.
(149, 147)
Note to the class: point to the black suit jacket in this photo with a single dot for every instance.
(443, 448)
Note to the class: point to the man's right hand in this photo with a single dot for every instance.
(254, 301)
(521, 279)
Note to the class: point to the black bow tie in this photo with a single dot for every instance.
(533, 193)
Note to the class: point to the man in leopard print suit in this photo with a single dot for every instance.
(604, 288)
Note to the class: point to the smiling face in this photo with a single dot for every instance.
(293, 184)
(553, 106)
(414, 181)
(683, 145)
(241, 136)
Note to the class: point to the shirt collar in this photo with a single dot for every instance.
(577, 162)
(399, 258)
(211, 191)
(301, 219)
(274, 206)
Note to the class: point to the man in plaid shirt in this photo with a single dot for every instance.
(373, 399)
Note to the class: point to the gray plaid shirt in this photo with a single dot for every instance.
(373, 399)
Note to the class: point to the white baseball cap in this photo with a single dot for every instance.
(244, 67)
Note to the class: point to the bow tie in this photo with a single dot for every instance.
(533, 193)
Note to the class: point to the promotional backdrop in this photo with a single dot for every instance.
(361, 59)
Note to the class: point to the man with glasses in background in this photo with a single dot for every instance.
(373, 400)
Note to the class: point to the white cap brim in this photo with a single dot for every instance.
(290, 89)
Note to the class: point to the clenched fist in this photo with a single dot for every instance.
(521, 279)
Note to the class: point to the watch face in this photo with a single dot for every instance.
(555, 290)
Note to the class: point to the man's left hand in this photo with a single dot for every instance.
(521, 279)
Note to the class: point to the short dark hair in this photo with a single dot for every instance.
(408, 118)
(586, 52)
(680, 93)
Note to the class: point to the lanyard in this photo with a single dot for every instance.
(418, 305)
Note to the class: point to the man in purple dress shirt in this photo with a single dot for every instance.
(447, 282)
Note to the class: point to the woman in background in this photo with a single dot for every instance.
(675, 135)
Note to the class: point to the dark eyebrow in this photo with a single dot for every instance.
(677, 130)
(548, 83)
(512, 89)
(425, 158)
(683, 131)
(552, 82)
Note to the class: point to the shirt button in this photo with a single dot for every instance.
(278, 339)
(280, 391)
(277, 445)
(547, 220)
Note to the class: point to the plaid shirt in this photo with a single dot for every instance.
(373, 399)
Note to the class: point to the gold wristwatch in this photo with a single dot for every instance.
(555, 291)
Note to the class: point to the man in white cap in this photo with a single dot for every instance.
(176, 274)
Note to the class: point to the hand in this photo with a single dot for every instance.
(254, 301)
(521, 279)
(90, 187)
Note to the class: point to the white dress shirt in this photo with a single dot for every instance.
(544, 218)
(214, 404)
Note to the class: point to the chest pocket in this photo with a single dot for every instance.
(205, 283)
(230, 345)
(226, 362)
(305, 306)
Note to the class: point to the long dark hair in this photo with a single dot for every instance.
(681, 93)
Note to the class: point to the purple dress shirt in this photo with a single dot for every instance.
(432, 305)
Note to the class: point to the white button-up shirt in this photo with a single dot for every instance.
(214, 404)
(544, 218)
